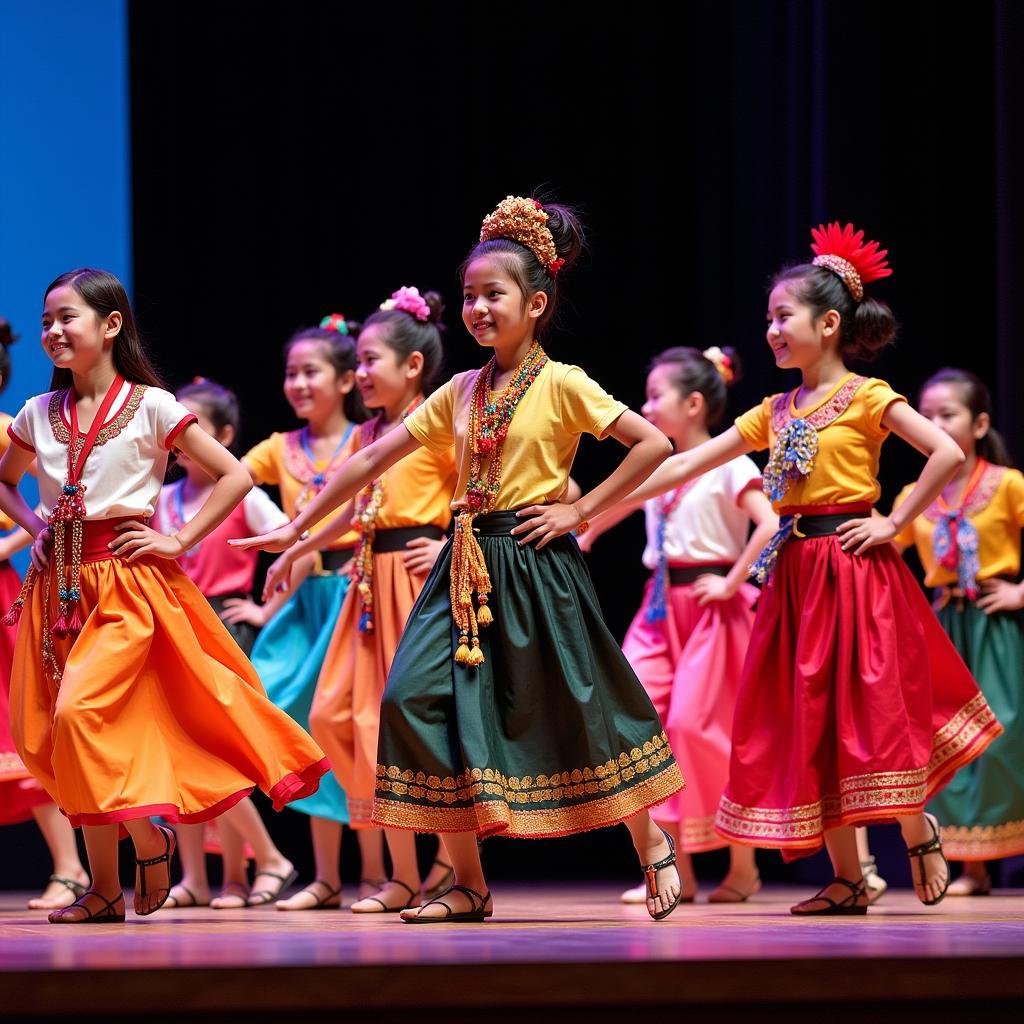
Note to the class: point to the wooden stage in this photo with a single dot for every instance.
(550, 953)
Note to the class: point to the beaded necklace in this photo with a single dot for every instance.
(364, 520)
(489, 422)
(317, 479)
(666, 504)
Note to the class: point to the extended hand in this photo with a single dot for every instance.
(279, 576)
(546, 522)
(709, 588)
(420, 554)
(135, 539)
(857, 535)
(41, 548)
(1000, 596)
(277, 540)
(244, 609)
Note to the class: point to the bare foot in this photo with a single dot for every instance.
(371, 886)
(233, 896)
(394, 896)
(736, 887)
(928, 867)
(182, 897)
(838, 893)
(318, 895)
(58, 893)
(668, 882)
(455, 901)
(92, 905)
(153, 876)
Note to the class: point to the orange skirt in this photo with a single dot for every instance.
(345, 716)
(158, 712)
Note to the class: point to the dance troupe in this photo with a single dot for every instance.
(432, 656)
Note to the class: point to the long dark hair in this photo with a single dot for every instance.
(992, 448)
(7, 339)
(103, 294)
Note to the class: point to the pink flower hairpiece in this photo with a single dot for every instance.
(408, 300)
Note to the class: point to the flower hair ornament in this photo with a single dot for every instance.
(408, 300)
(844, 251)
(335, 322)
(524, 221)
(721, 362)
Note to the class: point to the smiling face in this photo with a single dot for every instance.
(943, 403)
(382, 376)
(313, 387)
(74, 336)
(797, 340)
(666, 407)
(494, 309)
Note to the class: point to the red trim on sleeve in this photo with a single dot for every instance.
(185, 421)
(754, 483)
(17, 440)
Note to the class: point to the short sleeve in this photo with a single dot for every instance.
(1015, 494)
(877, 397)
(905, 537)
(742, 475)
(586, 407)
(171, 417)
(261, 514)
(262, 462)
(20, 431)
(754, 423)
(433, 423)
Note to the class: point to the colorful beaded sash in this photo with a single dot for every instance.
(657, 607)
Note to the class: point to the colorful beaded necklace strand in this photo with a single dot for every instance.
(489, 422)
(318, 478)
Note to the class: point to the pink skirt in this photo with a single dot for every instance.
(854, 706)
(690, 664)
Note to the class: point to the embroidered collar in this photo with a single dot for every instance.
(977, 496)
(827, 411)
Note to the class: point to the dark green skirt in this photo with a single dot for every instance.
(552, 734)
(981, 811)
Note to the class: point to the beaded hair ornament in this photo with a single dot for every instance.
(524, 221)
(843, 251)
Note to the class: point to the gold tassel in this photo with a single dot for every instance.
(462, 654)
(476, 656)
(483, 615)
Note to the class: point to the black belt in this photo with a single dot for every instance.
(396, 539)
(334, 559)
(806, 526)
(682, 575)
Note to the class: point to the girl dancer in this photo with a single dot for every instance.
(225, 577)
(690, 636)
(969, 543)
(537, 726)
(21, 797)
(129, 697)
(854, 706)
(401, 516)
(319, 384)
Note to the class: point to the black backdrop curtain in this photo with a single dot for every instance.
(312, 157)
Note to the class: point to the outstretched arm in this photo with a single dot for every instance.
(647, 446)
(358, 470)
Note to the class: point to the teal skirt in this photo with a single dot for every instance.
(981, 811)
(553, 734)
(288, 655)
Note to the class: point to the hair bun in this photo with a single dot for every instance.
(726, 361)
(566, 230)
(7, 335)
(436, 304)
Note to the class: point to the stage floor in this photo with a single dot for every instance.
(553, 951)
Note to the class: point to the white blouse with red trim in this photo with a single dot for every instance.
(125, 470)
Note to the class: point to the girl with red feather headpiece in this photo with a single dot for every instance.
(854, 706)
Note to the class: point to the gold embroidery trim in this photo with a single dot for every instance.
(961, 739)
(983, 842)
(824, 414)
(979, 500)
(489, 817)
(544, 788)
(63, 436)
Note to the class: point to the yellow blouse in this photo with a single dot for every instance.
(281, 462)
(996, 509)
(560, 406)
(848, 421)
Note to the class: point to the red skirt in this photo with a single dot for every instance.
(854, 705)
(19, 792)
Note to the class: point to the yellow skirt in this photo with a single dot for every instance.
(157, 712)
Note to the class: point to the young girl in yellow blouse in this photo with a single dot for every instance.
(510, 709)
(854, 706)
(968, 540)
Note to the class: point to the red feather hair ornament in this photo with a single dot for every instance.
(844, 251)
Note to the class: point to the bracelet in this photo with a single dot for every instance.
(181, 543)
(584, 525)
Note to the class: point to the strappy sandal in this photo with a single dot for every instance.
(968, 885)
(876, 885)
(261, 897)
(108, 915)
(173, 903)
(651, 876)
(836, 908)
(322, 902)
(477, 914)
(384, 908)
(375, 883)
(141, 889)
(919, 852)
(730, 894)
(446, 880)
(232, 890)
(69, 883)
